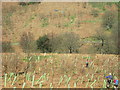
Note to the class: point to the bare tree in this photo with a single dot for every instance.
(27, 42)
(108, 20)
(71, 41)
(108, 34)
(28, 45)
(68, 42)
(100, 35)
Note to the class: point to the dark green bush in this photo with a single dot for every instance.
(28, 3)
(68, 42)
(43, 43)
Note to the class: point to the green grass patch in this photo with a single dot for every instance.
(29, 20)
(37, 58)
(17, 43)
(32, 17)
(72, 20)
(91, 39)
(44, 22)
(99, 5)
(44, 57)
(89, 21)
(66, 25)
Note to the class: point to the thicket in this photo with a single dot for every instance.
(28, 3)
(43, 43)
(68, 42)
(108, 34)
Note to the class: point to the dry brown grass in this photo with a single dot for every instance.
(72, 65)
(29, 18)
(22, 19)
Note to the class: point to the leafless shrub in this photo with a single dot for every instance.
(11, 63)
(27, 42)
(7, 47)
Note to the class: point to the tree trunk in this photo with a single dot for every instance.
(70, 50)
(102, 46)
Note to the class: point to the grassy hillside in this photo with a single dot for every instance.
(50, 17)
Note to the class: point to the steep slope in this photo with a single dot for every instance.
(49, 17)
